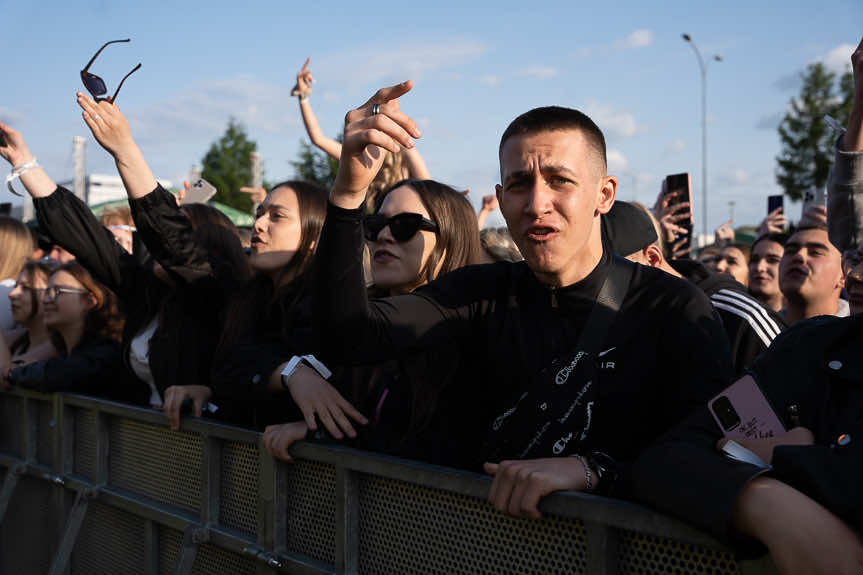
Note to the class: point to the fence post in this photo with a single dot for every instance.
(602, 549)
(347, 521)
(73, 527)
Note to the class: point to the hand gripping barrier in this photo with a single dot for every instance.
(94, 487)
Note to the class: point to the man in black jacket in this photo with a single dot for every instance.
(537, 384)
(749, 325)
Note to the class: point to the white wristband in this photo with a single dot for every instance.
(311, 360)
(18, 171)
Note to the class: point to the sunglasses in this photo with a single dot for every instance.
(402, 226)
(96, 85)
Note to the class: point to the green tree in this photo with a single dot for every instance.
(313, 165)
(227, 166)
(806, 156)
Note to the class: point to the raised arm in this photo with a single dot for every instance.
(313, 129)
(845, 184)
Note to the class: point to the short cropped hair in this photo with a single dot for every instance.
(556, 118)
(779, 238)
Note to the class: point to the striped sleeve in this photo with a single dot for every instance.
(748, 308)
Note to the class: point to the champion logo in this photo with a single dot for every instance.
(563, 374)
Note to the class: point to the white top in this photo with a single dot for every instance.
(6, 287)
(139, 360)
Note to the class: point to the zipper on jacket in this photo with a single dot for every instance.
(552, 290)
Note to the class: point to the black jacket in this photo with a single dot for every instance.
(94, 367)
(664, 354)
(749, 325)
(183, 346)
(816, 366)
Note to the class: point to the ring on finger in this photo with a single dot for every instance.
(96, 117)
(376, 109)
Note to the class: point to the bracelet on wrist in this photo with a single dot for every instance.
(587, 474)
(17, 171)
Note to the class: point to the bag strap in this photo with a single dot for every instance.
(607, 305)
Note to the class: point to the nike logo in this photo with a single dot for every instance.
(600, 354)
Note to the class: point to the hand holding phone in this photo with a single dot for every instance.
(199, 192)
(743, 412)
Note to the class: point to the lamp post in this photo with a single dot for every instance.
(703, 66)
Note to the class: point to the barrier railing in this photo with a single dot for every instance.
(92, 487)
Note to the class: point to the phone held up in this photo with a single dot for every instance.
(774, 203)
(680, 185)
(199, 192)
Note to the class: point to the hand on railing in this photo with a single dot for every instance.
(177, 394)
(278, 438)
(314, 395)
(519, 485)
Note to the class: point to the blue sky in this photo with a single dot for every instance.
(475, 67)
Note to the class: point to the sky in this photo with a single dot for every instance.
(475, 67)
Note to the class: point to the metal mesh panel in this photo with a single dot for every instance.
(11, 425)
(152, 461)
(44, 432)
(170, 543)
(311, 510)
(28, 534)
(650, 555)
(110, 542)
(239, 487)
(404, 528)
(212, 560)
(85, 443)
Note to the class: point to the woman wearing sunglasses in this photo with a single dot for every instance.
(422, 230)
(85, 326)
(173, 308)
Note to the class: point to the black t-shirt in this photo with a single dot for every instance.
(664, 355)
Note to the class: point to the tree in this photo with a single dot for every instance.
(313, 165)
(804, 161)
(228, 167)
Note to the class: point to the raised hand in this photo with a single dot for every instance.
(725, 233)
(816, 214)
(774, 223)
(108, 124)
(489, 203)
(13, 148)
(257, 195)
(367, 137)
(671, 215)
(853, 140)
(304, 83)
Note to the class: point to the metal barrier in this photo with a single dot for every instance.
(94, 487)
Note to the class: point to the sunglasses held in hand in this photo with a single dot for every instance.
(96, 85)
(402, 226)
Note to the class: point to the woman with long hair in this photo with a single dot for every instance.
(18, 245)
(172, 307)
(85, 327)
(421, 230)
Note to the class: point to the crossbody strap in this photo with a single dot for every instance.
(607, 305)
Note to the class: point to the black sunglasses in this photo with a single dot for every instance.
(96, 85)
(402, 226)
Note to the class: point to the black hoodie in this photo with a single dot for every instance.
(750, 326)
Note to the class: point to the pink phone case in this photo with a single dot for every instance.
(745, 403)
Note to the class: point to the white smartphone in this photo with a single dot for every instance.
(742, 411)
(816, 197)
(200, 192)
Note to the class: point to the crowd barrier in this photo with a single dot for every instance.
(95, 487)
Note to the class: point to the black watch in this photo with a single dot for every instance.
(605, 468)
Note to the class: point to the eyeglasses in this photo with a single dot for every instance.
(96, 85)
(52, 292)
(26, 287)
(402, 226)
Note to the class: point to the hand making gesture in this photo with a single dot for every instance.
(377, 125)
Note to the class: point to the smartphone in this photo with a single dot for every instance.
(200, 192)
(681, 183)
(816, 197)
(775, 202)
(742, 411)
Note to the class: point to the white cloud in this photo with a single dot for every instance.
(638, 39)
(490, 80)
(617, 162)
(838, 59)
(735, 177)
(675, 147)
(10, 117)
(611, 122)
(382, 64)
(541, 72)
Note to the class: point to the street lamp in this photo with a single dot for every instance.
(703, 66)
